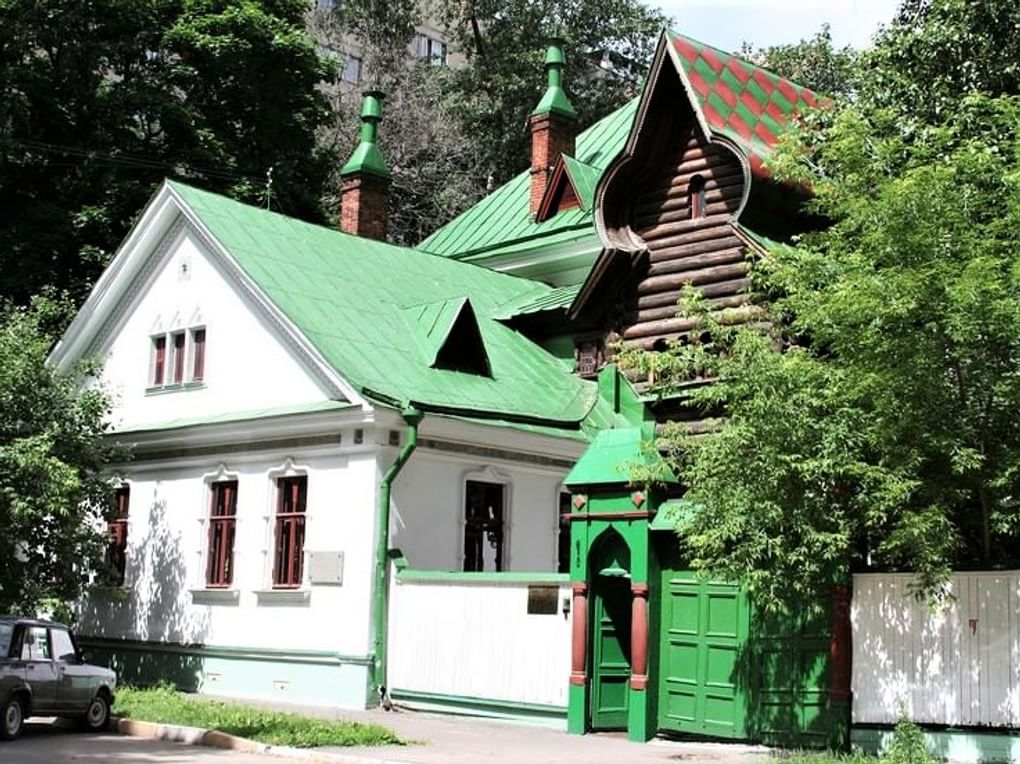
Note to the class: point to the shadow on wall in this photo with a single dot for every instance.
(142, 629)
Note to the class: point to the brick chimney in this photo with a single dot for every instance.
(365, 178)
(553, 125)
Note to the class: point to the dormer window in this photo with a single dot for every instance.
(696, 194)
(590, 355)
(177, 358)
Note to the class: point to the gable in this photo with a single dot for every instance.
(231, 359)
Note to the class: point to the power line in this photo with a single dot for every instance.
(124, 159)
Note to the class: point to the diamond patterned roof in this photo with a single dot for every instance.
(745, 103)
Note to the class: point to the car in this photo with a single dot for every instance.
(42, 674)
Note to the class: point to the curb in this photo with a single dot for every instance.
(173, 733)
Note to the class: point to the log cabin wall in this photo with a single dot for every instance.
(685, 246)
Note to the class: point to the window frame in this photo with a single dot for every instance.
(177, 358)
(196, 363)
(219, 568)
(503, 555)
(117, 532)
(696, 196)
(289, 548)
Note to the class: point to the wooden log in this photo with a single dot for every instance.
(668, 249)
(680, 201)
(691, 164)
(674, 216)
(676, 325)
(692, 260)
(668, 281)
(726, 288)
(688, 230)
(671, 311)
(680, 188)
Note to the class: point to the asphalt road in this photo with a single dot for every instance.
(55, 743)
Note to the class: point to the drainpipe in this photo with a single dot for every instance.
(382, 561)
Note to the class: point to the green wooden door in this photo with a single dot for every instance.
(611, 653)
(703, 635)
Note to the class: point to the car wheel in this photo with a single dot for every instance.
(12, 719)
(97, 717)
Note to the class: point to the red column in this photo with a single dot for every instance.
(639, 637)
(579, 635)
(840, 646)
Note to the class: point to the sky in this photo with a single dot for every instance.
(727, 23)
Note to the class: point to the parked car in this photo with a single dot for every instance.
(42, 674)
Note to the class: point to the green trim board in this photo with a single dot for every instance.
(290, 676)
(474, 706)
(271, 654)
(241, 416)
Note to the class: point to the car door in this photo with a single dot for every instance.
(75, 685)
(40, 669)
(12, 668)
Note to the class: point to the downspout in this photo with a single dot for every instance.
(382, 561)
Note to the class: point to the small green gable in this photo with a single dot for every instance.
(613, 455)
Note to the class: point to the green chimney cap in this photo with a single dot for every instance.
(366, 157)
(555, 98)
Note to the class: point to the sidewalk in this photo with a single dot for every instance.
(442, 739)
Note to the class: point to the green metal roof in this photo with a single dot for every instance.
(671, 514)
(501, 222)
(744, 103)
(612, 456)
(556, 299)
(350, 298)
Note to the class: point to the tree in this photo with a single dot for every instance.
(885, 432)
(813, 63)
(101, 100)
(53, 490)
(609, 44)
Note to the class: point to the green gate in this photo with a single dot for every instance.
(704, 633)
(727, 671)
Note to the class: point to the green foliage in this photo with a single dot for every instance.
(164, 705)
(813, 63)
(101, 100)
(936, 51)
(885, 432)
(53, 494)
(908, 745)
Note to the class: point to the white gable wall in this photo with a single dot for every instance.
(247, 367)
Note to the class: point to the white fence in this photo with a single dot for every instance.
(959, 665)
(461, 636)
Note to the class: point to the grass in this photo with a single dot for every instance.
(824, 757)
(164, 705)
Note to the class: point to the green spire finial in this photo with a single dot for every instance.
(366, 156)
(555, 98)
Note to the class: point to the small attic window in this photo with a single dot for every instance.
(590, 355)
(696, 197)
(463, 349)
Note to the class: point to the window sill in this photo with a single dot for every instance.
(174, 387)
(215, 596)
(283, 596)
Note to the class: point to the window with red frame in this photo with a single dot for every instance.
(158, 359)
(222, 522)
(197, 355)
(292, 494)
(178, 340)
(116, 550)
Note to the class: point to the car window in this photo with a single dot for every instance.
(6, 632)
(35, 645)
(63, 647)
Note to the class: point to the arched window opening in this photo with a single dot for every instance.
(696, 195)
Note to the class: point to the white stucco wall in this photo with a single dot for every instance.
(168, 537)
(246, 366)
(428, 515)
